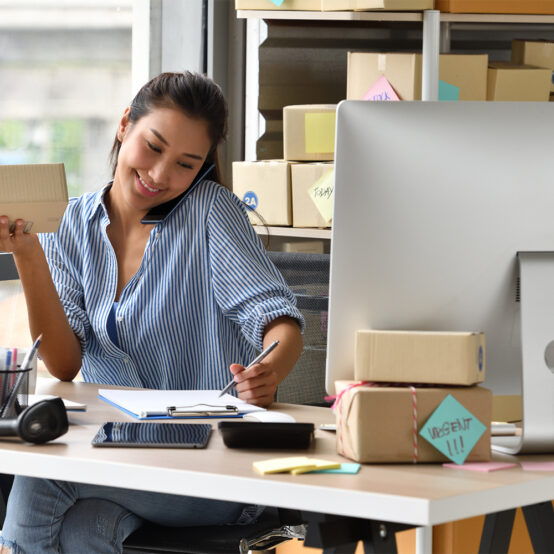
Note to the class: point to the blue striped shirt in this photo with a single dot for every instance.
(200, 300)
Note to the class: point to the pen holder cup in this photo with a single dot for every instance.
(12, 358)
(14, 391)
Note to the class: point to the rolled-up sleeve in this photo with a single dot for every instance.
(67, 284)
(247, 286)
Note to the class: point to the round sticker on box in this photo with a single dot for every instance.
(250, 199)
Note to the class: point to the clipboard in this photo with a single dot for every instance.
(203, 410)
(145, 404)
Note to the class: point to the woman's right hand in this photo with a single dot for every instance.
(18, 243)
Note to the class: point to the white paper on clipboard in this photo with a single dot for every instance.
(144, 404)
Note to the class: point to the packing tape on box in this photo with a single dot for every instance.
(337, 408)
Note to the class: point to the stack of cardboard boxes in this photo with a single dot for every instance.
(528, 77)
(296, 190)
(415, 398)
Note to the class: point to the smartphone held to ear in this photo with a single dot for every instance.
(158, 213)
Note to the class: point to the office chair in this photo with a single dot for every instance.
(307, 275)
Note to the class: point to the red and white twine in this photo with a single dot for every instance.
(337, 408)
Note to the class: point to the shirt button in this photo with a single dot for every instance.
(119, 319)
(127, 359)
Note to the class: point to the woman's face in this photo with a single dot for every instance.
(159, 158)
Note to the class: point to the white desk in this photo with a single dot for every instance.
(421, 495)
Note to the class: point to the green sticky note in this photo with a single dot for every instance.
(350, 468)
(319, 130)
(453, 430)
(277, 2)
(448, 92)
(321, 193)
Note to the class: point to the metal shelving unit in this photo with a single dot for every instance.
(435, 39)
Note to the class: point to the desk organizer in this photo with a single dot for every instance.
(14, 390)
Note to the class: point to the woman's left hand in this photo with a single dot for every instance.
(257, 384)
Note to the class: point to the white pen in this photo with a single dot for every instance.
(257, 359)
(28, 360)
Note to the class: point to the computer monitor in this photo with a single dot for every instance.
(433, 203)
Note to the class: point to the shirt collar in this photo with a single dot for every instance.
(98, 203)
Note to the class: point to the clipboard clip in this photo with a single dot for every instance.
(202, 410)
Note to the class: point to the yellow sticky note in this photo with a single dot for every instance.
(280, 465)
(319, 464)
(321, 193)
(319, 130)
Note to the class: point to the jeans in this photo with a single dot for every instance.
(48, 516)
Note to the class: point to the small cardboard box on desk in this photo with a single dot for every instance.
(420, 357)
(426, 407)
(407, 424)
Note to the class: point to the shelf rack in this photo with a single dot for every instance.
(434, 39)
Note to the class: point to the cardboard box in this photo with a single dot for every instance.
(309, 132)
(419, 357)
(311, 246)
(508, 82)
(264, 186)
(496, 6)
(376, 424)
(305, 212)
(468, 72)
(36, 193)
(403, 72)
(335, 5)
(539, 53)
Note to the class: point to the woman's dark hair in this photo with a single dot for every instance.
(195, 94)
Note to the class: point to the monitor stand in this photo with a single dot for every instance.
(536, 272)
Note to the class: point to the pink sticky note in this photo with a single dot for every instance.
(381, 90)
(482, 466)
(537, 466)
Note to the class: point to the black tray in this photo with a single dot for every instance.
(255, 434)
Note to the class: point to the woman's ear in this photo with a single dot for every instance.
(123, 125)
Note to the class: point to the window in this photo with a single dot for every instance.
(65, 74)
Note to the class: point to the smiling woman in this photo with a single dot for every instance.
(180, 303)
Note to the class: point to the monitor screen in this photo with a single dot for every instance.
(433, 201)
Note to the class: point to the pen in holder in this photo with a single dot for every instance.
(14, 387)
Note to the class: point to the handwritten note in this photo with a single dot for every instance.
(321, 193)
(381, 91)
(453, 430)
(448, 92)
(319, 132)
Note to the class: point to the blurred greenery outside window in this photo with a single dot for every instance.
(65, 74)
(64, 142)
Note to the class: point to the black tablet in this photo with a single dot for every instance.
(255, 434)
(153, 435)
